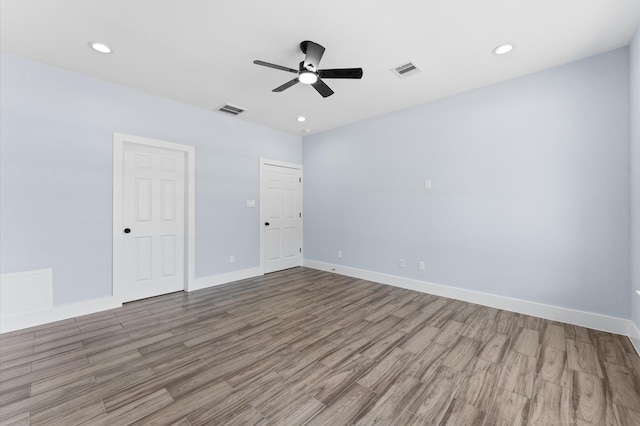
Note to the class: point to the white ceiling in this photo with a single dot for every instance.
(200, 52)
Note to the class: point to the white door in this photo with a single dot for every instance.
(281, 217)
(153, 221)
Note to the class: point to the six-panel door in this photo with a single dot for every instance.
(283, 203)
(154, 214)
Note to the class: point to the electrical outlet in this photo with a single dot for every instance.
(427, 184)
(401, 263)
(339, 254)
(421, 266)
(232, 259)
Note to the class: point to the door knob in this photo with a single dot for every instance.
(127, 230)
(266, 224)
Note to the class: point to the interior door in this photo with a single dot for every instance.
(281, 216)
(154, 221)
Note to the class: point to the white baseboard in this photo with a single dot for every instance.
(556, 313)
(21, 320)
(214, 280)
(634, 336)
(550, 312)
(57, 313)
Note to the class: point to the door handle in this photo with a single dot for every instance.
(127, 230)
(266, 224)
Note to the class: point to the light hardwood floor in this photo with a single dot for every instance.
(303, 346)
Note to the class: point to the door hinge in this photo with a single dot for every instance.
(300, 180)
(300, 249)
(299, 214)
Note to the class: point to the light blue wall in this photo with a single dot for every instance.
(530, 193)
(55, 174)
(634, 55)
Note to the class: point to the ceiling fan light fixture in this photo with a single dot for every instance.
(100, 47)
(308, 77)
(502, 49)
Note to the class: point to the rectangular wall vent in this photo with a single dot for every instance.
(405, 70)
(231, 109)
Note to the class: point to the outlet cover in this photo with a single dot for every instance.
(232, 259)
(401, 263)
(421, 266)
(340, 254)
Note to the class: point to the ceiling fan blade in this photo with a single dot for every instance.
(322, 88)
(314, 53)
(341, 73)
(286, 85)
(278, 67)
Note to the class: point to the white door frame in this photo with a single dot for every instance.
(119, 140)
(263, 242)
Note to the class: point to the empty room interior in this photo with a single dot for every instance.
(322, 213)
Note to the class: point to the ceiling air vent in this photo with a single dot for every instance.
(231, 109)
(405, 70)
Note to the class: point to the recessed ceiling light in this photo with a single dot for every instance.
(503, 48)
(99, 47)
(309, 131)
(308, 77)
(301, 119)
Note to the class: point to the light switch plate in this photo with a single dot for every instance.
(251, 203)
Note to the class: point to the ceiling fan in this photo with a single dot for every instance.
(308, 72)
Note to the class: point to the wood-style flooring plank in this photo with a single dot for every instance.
(339, 379)
(277, 401)
(426, 362)
(461, 413)
(551, 364)
(136, 409)
(385, 370)
(494, 348)
(297, 414)
(419, 339)
(433, 399)
(508, 408)
(545, 407)
(526, 342)
(346, 351)
(21, 419)
(345, 408)
(589, 398)
(518, 373)
(391, 403)
(225, 409)
(625, 387)
(479, 387)
(581, 356)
